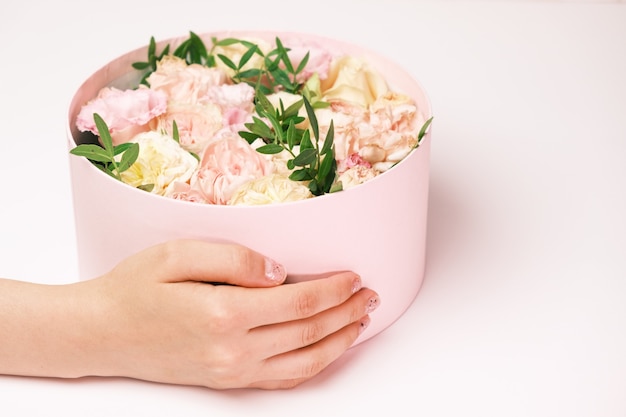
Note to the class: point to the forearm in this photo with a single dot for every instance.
(45, 329)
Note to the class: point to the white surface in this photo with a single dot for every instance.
(523, 310)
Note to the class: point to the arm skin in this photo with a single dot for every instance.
(157, 317)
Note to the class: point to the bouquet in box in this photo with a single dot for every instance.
(246, 122)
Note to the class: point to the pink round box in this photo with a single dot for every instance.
(377, 229)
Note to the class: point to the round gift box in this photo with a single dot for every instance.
(377, 229)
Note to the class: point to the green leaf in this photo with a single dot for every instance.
(292, 111)
(291, 135)
(338, 186)
(260, 128)
(152, 46)
(128, 157)
(424, 128)
(250, 73)
(118, 149)
(91, 152)
(265, 105)
(103, 132)
(305, 142)
(226, 42)
(284, 55)
(140, 65)
(300, 175)
(305, 157)
(146, 187)
(270, 148)
(249, 136)
(328, 142)
(314, 187)
(175, 133)
(199, 47)
(282, 78)
(303, 63)
(227, 61)
(312, 118)
(246, 56)
(326, 173)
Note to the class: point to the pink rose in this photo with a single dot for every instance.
(183, 191)
(381, 134)
(352, 161)
(126, 112)
(227, 96)
(182, 82)
(347, 120)
(197, 123)
(226, 164)
(236, 102)
(319, 57)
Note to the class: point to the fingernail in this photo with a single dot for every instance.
(274, 271)
(372, 304)
(356, 284)
(365, 321)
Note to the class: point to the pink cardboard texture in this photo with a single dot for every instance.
(377, 229)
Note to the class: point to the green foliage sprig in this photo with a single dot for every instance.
(104, 157)
(311, 163)
(276, 73)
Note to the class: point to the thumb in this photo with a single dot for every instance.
(196, 260)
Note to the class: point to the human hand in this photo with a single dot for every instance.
(155, 317)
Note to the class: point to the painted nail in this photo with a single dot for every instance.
(356, 284)
(274, 271)
(372, 304)
(365, 321)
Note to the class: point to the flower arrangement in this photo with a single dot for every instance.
(249, 122)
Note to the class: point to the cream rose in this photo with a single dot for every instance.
(227, 163)
(353, 80)
(161, 163)
(271, 189)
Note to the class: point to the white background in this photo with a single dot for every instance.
(523, 310)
